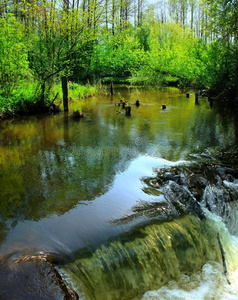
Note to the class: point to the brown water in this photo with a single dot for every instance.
(63, 182)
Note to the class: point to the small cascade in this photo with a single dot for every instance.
(208, 284)
(160, 253)
(222, 200)
(213, 281)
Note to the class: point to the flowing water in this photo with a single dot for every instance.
(74, 191)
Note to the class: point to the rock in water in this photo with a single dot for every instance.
(183, 201)
(32, 279)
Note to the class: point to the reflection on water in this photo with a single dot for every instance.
(53, 157)
(65, 183)
(90, 223)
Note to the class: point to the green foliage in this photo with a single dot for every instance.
(43, 43)
(13, 55)
(172, 53)
(223, 16)
(21, 99)
(116, 56)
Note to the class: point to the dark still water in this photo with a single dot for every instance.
(65, 185)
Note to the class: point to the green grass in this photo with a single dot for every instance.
(116, 80)
(24, 98)
(76, 91)
(170, 80)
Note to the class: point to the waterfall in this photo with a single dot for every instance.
(191, 256)
(211, 282)
(222, 200)
(160, 253)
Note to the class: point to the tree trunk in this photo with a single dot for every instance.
(113, 17)
(42, 99)
(192, 13)
(64, 82)
(106, 12)
(236, 84)
(1, 9)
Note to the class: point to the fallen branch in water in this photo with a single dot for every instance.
(223, 259)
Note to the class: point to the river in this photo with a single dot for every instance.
(69, 190)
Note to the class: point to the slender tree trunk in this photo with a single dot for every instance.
(106, 12)
(138, 12)
(95, 5)
(236, 84)
(113, 17)
(42, 100)
(135, 13)
(121, 13)
(5, 6)
(64, 82)
(1, 9)
(89, 13)
(192, 13)
(64, 78)
(84, 9)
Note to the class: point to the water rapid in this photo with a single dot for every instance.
(181, 259)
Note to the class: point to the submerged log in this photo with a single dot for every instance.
(223, 259)
(54, 109)
(196, 98)
(128, 110)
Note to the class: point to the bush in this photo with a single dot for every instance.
(21, 99)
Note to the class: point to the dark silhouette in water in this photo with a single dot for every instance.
(196, 98)
(128, 110)
(77, 115)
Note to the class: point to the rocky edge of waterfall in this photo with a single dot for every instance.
(190, 186)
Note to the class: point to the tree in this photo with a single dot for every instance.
(223, 21)
(14, 67)
(192, 5)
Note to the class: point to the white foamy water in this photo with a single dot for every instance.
(208, 284)
(211, 283)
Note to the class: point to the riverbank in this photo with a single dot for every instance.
(26, 99)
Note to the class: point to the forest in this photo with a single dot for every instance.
(66, 48)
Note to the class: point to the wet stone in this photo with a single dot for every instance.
(184, 186)
(196, 177)
(182, 200)
(33, 279)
